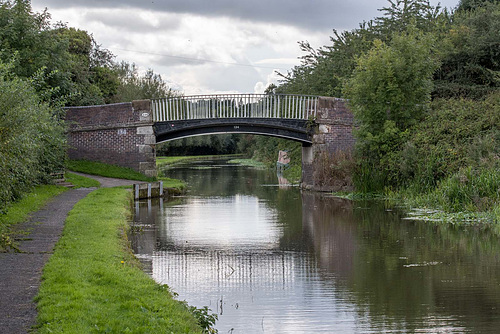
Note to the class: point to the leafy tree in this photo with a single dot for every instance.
(32, 140)
(388, 92)
(471, 58)
(401, 14)
(474, 4)
(21, 32)
(134, 86)
(76, 63)
(325, 70)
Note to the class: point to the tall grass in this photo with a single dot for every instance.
(469, 192)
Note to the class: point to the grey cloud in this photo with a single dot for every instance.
(312, 14)
(130, 21)
(229, 78)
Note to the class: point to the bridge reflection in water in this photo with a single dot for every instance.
(333, 267)
(255, 270)
(172, 260)
(267, 278)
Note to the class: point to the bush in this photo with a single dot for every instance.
(32, 140)
(467, 190)
(455, 134)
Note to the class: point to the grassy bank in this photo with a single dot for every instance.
(163, 161)
(19, 211)
(470, 196)
(92, 282)
(248, 162)
(81, 181)
(33, 201)
(102, 169)
(174, 186)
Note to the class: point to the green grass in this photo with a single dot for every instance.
(467, 197)
(168, 183)
(81, 181)
(92, 283)
(248, 162)
(162, 161)
(102, 169)
(19, 211)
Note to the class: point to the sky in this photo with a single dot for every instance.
(214, 46)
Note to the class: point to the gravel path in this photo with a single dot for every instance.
(20, 273)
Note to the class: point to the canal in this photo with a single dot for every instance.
(272, 259)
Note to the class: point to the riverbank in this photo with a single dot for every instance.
(106, 170)
(92, 281)
(79, 254)
(468, 197)
(34, 241)
(164, 161)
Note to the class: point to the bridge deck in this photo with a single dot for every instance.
(302, 107)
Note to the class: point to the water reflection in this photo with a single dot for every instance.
(281, 261)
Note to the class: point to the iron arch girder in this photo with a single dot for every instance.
(293, 129)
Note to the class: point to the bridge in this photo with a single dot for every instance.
(125, 134)
(284, 116)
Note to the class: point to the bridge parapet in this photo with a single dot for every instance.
(235, 106)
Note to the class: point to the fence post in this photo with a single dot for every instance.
(136, 191)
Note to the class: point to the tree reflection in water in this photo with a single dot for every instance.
(296, 262)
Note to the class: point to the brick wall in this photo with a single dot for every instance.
(333, 134)
(119, 134)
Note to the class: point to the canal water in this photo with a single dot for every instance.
(272, 259)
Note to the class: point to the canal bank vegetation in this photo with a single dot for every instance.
(106, 170)
(423, 83)
(32, 144)
(162, 161)
(81, 181)
(118, 172)
(44, 67)
(92, 282)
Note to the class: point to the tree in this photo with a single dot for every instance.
(32, 140)
(325, 70)
(401, 14)
(471, 58)
(388, 92)
(465, 5)
(134, 86)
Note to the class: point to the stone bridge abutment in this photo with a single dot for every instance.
(332, 136)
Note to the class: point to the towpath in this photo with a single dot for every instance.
(20, 272)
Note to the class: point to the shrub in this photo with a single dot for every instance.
(32, 139)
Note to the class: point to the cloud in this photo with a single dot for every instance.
(126, 20)
(212, 46)
(261, 86)
(312, 14)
